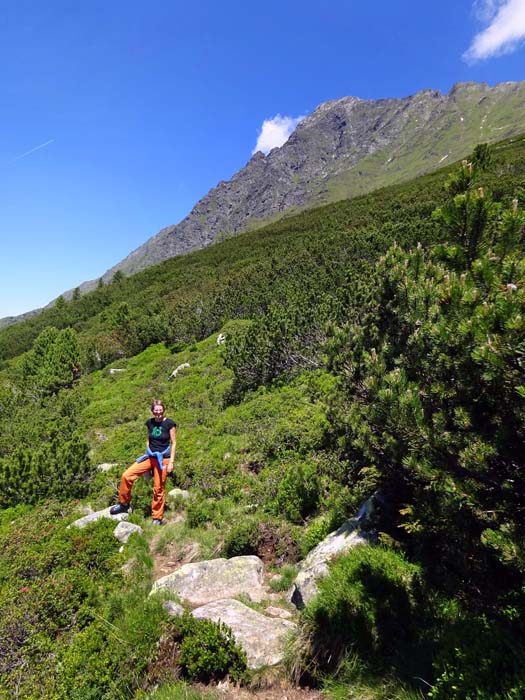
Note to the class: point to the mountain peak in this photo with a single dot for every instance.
(345, 147)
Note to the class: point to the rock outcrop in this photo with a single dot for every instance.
(344, 148)
(93, 517)
(124, 530)
(206, 581)
(315, 565)
(261, 637)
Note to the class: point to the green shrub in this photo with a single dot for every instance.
(298, 492)
(479, 659)
(208, 651)
(287, 575)
(369, 602)
(199, 511)
(314, 533)
(242, 538)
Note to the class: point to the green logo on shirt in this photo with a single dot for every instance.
(156, 432)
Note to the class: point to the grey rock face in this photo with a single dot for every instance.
(205, 581)
(344, 148)
(124, 530)
(315, 565)
(261, 637)
(93, 517)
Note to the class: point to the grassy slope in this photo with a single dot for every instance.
(214, 441)
(222, 448)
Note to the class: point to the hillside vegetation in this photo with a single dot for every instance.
(375, 347)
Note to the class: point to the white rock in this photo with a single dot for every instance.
(115, 370)
(205, 581)
(184, 365)
(93, 517)
(221, 338)
(106, 466)
(179, 493)
(124, 530)
(278, 612)
(261, 637)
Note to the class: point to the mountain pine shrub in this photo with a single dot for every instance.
(431, 405)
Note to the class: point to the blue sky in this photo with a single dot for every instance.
(118, 116)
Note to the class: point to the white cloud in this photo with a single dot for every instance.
(485, 10)
(504, 33)
(274, 132)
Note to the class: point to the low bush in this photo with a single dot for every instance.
(208, 651)
(369, 603)
(298, 491)
(480, 658)
(286, 576)
(242, 538)
(267, 537)
(199, 511)
(314, 533)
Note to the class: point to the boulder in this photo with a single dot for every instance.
(315, 565)
(124, 530)
(179, 493)
(178, 369)
(205, 581)
(106, 466)
(93, 517)
(261, 637)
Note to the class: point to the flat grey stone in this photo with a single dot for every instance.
(205, 581)
(278, 612)
(93, 517)
(261, 637)
(124, 530)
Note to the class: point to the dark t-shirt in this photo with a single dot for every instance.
(159, 433)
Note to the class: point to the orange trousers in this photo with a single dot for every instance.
(159, 481)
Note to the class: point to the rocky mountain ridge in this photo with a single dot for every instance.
(344, 148)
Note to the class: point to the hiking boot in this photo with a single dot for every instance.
(119, 508)
(156, 521)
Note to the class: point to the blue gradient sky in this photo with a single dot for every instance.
(136, 109)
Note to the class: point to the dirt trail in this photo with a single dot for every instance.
(174, 556)
(279, 692)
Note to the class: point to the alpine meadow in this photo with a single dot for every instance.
(373, 363)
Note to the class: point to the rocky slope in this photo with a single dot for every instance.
(344, 148)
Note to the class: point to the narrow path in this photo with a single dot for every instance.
(278, 692)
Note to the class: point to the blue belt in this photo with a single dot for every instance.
(159, 456)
